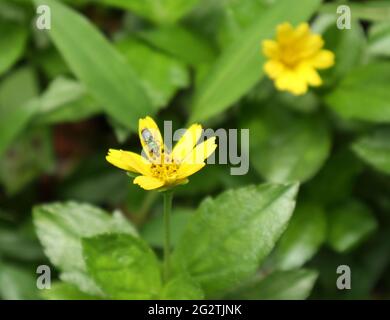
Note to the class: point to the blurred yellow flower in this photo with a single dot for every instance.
(294, 57)
(161, 168)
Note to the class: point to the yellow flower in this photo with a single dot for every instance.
(294, 58)
(161, 168)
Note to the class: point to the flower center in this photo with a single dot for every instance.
(292, 53)
(291, 58)
(166, 169)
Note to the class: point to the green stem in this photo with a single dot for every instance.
(168, 195)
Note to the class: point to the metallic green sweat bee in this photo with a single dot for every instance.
(153, 146)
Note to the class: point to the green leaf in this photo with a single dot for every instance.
(103, 71)
(304, 236)
(160, 74)
(90, 181)
(19, 244)
(182, 288)
(363, 94)
(216, 177)
(60, 227)
(123, 266)
(10, 96)
(91, 188)
(12, 45)
(12, 10)
(65, 100)
(17, 283)
(65, 291)
(82, 281)
(340, 42)
(180, 42)
(288, 147)
(51, 63)
(349, 224)
(307, 104)
(153, 230)
(379, 40)
(158, 11)
(347, 166)
(27, 158)
(281, 285)
(229, 236)
(16, 106)
(374, 148)
(240, 66)
(237, 16)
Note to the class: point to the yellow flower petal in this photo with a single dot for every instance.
(150, 137)
(323, 59)
(128, 161)
(302, 31)
(273, 68)
(292, 82)
(310, 75)
(270, 48)
(315, 41)
(313, 78)
(148, 183)
(285, 32)
(186, 170)
(201, 152)
(187, 142)
(310, 46)
(298, 88)
(284, 79)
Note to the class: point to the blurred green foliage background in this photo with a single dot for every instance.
(69, 94)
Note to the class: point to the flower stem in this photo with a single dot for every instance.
(168, 195)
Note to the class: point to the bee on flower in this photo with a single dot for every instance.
(294, 58)
(161, 168)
